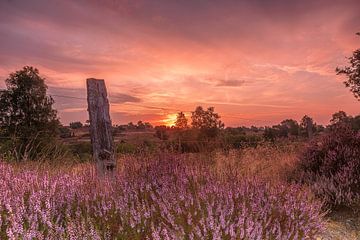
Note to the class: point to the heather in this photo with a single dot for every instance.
(167, 196)
(330, 166)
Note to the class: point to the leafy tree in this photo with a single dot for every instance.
(270, 134)
(290, 126)
(148, 125)
(352, 72)
(26, 112)
(140, 125)
(307, 126)
(207, 121)
(339, 118)
(76, 125)
(356, 123)
(181, 121)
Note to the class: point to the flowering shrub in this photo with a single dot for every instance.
(331, 166)
(169, 198)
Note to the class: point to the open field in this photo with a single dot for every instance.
(233, 195)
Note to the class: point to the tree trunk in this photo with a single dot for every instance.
(100, 126)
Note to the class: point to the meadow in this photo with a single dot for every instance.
(240, 194)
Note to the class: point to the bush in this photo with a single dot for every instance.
(65, 132)
(76, 125)
(331, 166)
(125, 148)
(242, 141)
(81, 150)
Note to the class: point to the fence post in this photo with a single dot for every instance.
(100, 126)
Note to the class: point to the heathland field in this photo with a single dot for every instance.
(247, 193)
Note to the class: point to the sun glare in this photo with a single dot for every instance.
(169, 120)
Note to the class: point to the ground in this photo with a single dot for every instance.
(343, 224)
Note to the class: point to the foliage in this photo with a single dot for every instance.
(81, 150)
(161, 132)
(65, 132)
(242, 141)
(352, 72)
(331, 166)
(290, 127)
(341, 118)
(76, 125)
(26, 113)
(307, 126)
(125, 148)
(168, 198)
(143, 125)
(135, 127)
(207, 121)
(181, 121)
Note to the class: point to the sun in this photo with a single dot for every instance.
(169, 120)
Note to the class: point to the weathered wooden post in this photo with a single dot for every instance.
(100, 126)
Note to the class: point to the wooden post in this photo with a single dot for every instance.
(100, 126)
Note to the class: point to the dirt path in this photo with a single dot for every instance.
(344, 224)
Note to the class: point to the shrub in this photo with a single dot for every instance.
(81, 150)
(65, 132)
(243, 141)
(75, 125)
(330, 165)
(125, 148)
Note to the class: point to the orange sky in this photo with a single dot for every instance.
(257, 62)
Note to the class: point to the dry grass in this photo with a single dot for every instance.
(270, 162)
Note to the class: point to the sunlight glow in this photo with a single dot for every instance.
(169, 120)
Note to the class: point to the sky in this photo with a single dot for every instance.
(257, 62)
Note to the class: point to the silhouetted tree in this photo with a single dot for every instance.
(339, 117)
(207, 121)
(353, 73)
(140, 125)
(270, 134)
(290, 126)
(26, 112)
(181, 121)
(75, 125)
(307, 126)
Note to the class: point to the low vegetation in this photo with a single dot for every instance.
(330, 166)
(168, 197)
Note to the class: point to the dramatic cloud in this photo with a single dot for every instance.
(268, 60)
